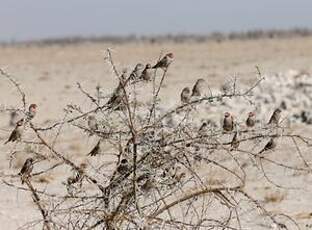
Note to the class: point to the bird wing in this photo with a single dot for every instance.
(95, 150)
(195, 91)
(24, 168)
(272, 119)
(159, 64)
(13, 136)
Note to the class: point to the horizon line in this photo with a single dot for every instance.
(250, 34)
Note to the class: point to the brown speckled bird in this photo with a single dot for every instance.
(78, 174)
(17, 132)
(276, 116)
(147, 73)
(148, 185)
(116, 101)
(164, 62)
(251, 120)
(96, 149)
(199, 88)
(32, 110)
(26, 169)
(269, 146)
(203, 129)
(228, 122)
(185, 95)
(92, 123)
(123, 166)
(137, 72)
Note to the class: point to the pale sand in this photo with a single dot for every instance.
(48, 75)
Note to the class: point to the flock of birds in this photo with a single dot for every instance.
(142, 73)
(228, 126)
(16, 135)
(115, 102)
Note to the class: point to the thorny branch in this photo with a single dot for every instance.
(17, 86)
(165, 176)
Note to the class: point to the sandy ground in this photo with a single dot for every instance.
(48, 76)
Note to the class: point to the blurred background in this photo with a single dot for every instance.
(37, 19)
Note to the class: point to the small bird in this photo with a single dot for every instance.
(123, 166)
(283, 105)
(199, 88)
(251, 120)
(148, 185)
(147, 73)
(77, 175)
(116, 101)
(14, 116)
(269, 146)
(164, 62)
(235, 142)
(276, 116)
(26, 169)
(203, 129)
(179, 176)
(17, 132)
(92, 123)
(32, 110)
(185, 95)
(143, 177)
(228, 122)
(123, 79)
(227, 88)
(137, 72)
(96, 149)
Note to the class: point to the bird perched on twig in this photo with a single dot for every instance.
(13, 118)
(78, 175)
(92, 123)
(137, 72)
(276, 116)
(227, 88)
(123, 166)
(164, 62)
(185, 95)
(228, 122)
(203, 129)
(17, 132)
(235, 142)
(199, 88)
(147, 73)
(116, 101)
(32, 110)
(251, 120)
(26, 169)
(269, 146)
(148, 185)
(96, 149)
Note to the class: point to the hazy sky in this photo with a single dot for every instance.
(33, 19)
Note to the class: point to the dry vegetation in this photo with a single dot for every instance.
(159, 170)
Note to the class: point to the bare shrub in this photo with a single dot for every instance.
(158, 174)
